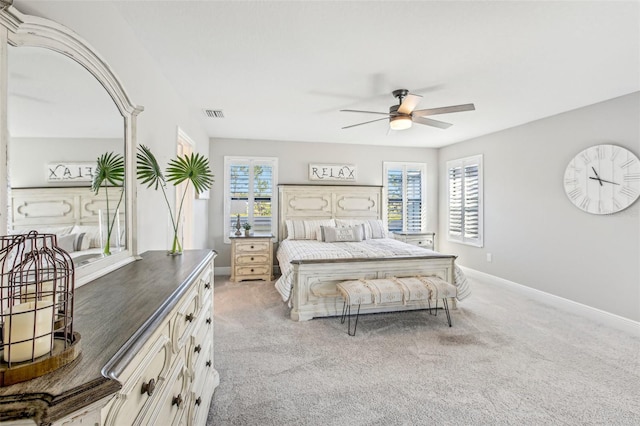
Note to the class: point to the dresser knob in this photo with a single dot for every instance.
(198, 401)
(148, 388)
(197, 349)
(208, 321)
(251, 246)
(251, 269)
(208, 363)
(177, 400)
(207, 285)
(252, 258)
(189, 317)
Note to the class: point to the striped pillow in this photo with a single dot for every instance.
(306, 229)
(373, 228)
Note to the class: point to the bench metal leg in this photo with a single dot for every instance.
(346, 312)
(446, 309)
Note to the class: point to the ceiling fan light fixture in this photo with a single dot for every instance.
(400, 122)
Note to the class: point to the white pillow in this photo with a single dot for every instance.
(67, 242)
(373, 228)
(92, 233)
(306, 229)
(332, 234)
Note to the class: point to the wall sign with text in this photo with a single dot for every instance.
(70, 172)
(343, 172)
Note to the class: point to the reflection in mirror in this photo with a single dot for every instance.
(60, 120)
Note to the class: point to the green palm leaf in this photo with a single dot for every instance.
(194, 167)
(148, 170)
(109, 169)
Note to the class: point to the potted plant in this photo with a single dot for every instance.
(109, 173)
(192, 169)
(247, 229)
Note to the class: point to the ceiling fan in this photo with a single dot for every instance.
(402, 115)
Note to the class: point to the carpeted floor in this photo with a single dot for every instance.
(507, 360)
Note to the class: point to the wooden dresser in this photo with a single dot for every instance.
(252, 258)
(147, 350)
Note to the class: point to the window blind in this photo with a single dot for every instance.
(465, 200)
(405, 196)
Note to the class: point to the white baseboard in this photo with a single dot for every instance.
(607, 318)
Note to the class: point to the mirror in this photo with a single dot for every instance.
(60, 120)
(64, 107)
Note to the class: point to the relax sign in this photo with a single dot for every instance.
(71, 172)
(344, 172)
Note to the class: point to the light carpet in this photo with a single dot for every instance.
(507, 360)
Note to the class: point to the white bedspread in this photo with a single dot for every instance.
(290, 250)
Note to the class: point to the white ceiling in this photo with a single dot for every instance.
(283, 70)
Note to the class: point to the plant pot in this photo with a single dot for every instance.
(247, 233)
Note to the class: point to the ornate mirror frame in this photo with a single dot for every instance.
(17, 29)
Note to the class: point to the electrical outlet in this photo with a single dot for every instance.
(489, 257)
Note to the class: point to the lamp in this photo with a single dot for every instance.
(400, 122)
(238, 207)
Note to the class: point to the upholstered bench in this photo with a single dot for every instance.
(390, 290)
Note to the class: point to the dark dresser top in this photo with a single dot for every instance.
(110, 313)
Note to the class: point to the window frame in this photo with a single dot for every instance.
(251, 162)
(463, 163)
(404, 166)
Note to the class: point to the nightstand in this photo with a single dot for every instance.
(252, 257)
(421, 239)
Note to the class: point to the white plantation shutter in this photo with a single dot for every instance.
(464, 191)
(252, 180)
(406, 195)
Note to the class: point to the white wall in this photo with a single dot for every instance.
(293, 163)
(29, 157)
(104, 28)
(537, 237)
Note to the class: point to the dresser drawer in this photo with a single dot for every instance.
(184, 320)
(174, 399)
(252, 259)
(141, 390)
(200, 340)
(203, 387)
(205, 285)
(248, 247)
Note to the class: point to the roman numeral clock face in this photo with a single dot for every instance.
(603, 179)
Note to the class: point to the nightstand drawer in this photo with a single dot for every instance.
(252, 247)
(252, 270)
(252, 259)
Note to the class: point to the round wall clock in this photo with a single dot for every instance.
(603, 179)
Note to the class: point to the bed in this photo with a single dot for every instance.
(71, 213)
(310, 269)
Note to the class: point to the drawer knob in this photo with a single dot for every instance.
(251, 269)
(208, 363)
(207, 285)
(252, 258)
(208, 321)
(198, 401)
(177, 400)
(148, 388)
(197, 349)
(251, 246)
(189, 317)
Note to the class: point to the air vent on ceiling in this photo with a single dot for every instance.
(214, 113)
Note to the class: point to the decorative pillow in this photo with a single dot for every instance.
(92, 234)
(331, 234)
(373, 228)
(82, 241)
(306, 229)
(67, 242)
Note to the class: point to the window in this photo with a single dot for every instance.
(405, 185)
(464, 198)
(252, 180)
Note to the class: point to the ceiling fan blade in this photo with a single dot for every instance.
(366, 112)
(431, 122)
(444, 110)
(409, 103)
(366, 122)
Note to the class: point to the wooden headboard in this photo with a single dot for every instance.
(37, 208)
(313, 202)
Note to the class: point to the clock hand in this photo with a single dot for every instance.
(597, 177)
(602, 180)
